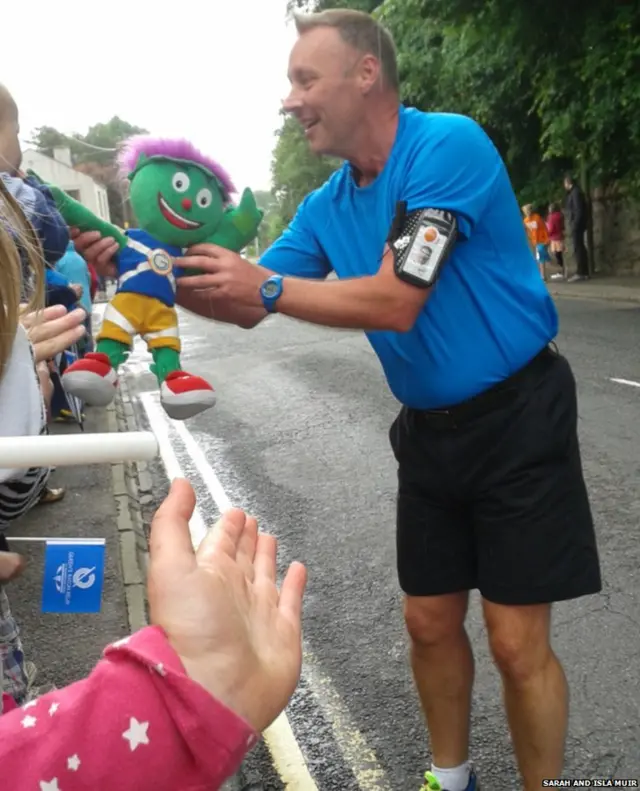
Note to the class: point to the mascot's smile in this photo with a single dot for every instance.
(174, 218)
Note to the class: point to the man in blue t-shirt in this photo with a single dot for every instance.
(491, 491)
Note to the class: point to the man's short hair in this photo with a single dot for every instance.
(360, 31)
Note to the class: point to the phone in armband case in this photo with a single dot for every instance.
(423, 241)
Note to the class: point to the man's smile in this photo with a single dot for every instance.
(174, 218)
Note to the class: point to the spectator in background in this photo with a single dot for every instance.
(45, 226)
(577, 215)
(538, 237)
(555, 229)
(23, 349)
(34, 199)
(73, 266)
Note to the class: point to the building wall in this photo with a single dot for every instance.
(80, 186)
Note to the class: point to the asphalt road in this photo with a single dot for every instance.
(299, 438)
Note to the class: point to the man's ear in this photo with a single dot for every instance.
(369, 73)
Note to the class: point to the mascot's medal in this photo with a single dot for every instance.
(160, 262)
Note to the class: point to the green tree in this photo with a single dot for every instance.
(295, 172)
(553, 90)
(94, 155)
(267, 202)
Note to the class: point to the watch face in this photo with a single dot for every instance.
(270, 290)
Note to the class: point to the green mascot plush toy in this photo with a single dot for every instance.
(180, 197)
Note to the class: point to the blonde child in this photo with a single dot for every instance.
(538, 237)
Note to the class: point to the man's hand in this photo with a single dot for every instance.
(237, 635)
(96, 249)
(77, 289)
(228, 278)
(53, 330)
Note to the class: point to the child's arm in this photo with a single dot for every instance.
(40, 209)
(58, 290)
(78, 216)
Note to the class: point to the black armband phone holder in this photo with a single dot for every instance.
(421, 242)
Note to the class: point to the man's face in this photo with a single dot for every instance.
(567, 185)
(328, 86)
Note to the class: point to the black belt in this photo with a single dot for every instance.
(496, 396)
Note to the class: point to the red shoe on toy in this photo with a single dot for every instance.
(91, 379)
(184, 395)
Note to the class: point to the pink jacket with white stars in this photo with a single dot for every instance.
(136, 722)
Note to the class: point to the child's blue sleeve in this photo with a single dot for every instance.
(55, 278)
(48, 223)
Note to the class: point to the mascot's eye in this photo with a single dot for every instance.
(180, 182)
(204, 198)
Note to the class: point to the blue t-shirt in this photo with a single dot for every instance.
(73, 266)
(488, 314)
(149, 283)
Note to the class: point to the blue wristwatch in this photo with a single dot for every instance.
(270, 291)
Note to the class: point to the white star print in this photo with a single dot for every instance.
(52, 785)
(53, 708)
(29, 721)
(159, 668)
(122, 642)
(73, 763)
(136, 734)
(30, 704)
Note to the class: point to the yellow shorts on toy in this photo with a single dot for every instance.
(130, 314)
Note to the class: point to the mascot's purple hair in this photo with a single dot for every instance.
(176, 149)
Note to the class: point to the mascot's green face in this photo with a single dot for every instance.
(176, 202)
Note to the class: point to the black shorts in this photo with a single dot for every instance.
(491, 493)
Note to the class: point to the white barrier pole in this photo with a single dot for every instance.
(68, 450)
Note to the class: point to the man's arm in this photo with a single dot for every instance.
(454, 173)
(202, 304)
(296, 252)
(377, 302)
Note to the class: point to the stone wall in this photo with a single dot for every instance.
(616, 235)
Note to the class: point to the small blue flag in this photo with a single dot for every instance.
(73, 575)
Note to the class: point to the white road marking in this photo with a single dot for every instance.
(159, 424)
(279, 737)
(629, 382)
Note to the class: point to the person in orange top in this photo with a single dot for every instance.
(538, 237)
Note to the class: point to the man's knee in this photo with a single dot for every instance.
(518, 638)
(432, 620)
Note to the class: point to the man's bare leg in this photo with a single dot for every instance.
(535, 688)
(443, 670)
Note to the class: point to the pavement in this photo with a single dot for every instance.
(65, 647)
(299, 439)
(600, 287)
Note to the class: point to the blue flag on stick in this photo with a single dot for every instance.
(73, 575)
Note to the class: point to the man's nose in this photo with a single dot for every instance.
(291, 103)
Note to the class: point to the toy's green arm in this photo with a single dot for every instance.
(239, 225)
(78, 216)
